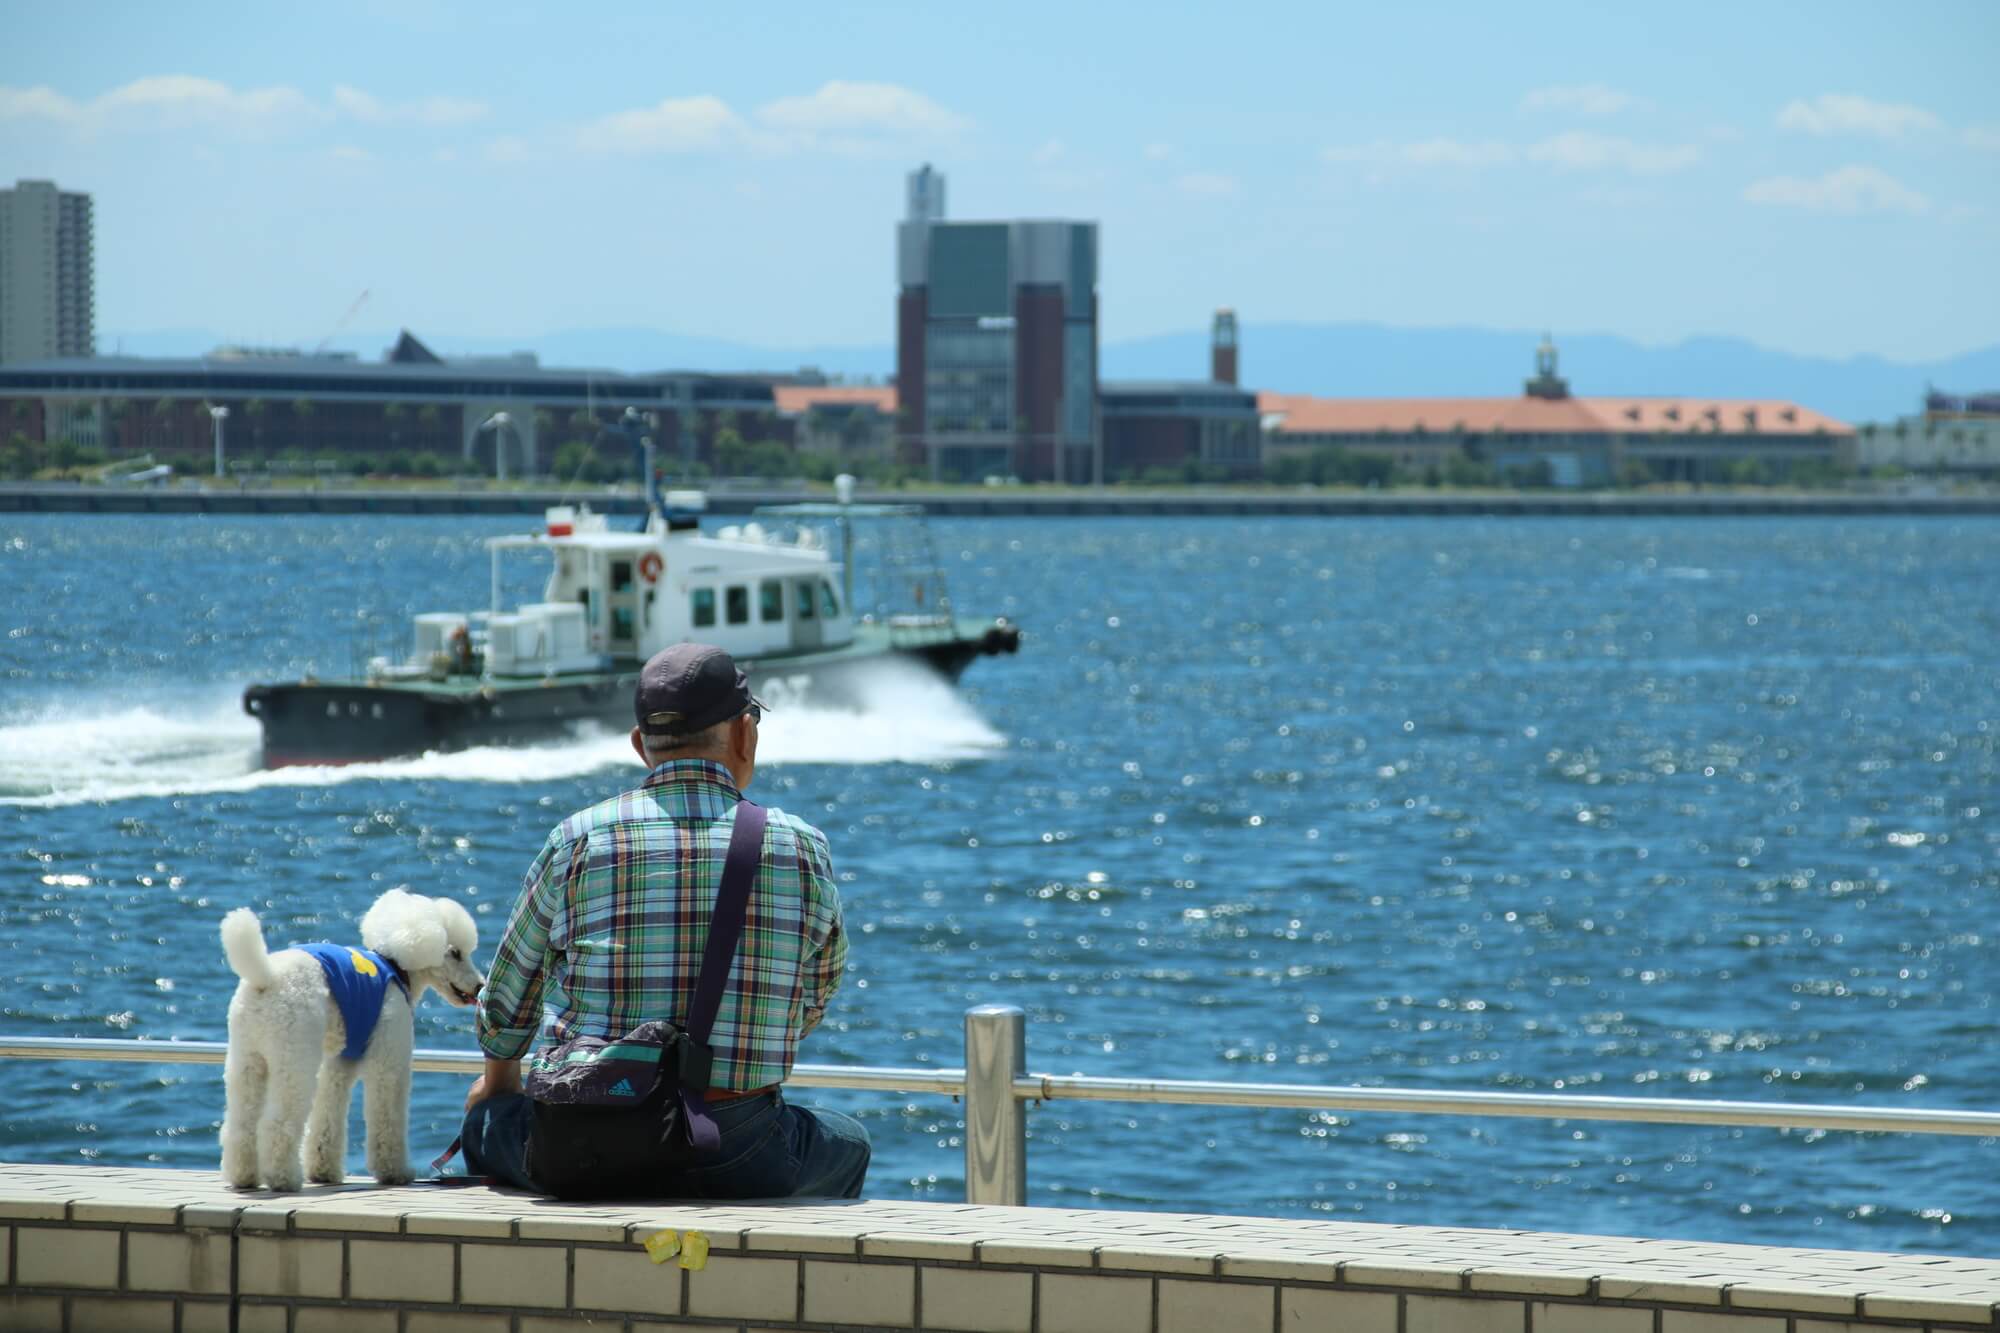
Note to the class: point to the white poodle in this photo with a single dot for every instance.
(287, 1033)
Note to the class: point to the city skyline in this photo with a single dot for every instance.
(1824, 181)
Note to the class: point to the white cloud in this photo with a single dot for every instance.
(860, 108)
(186, 97)
(162, 100)
(1851, 189)
(1835, 113)
(1052, 151)
(176, 101)
(1985, 138)
(1158, 152)
(348, 152)
(37, 103)
(850, 118)
(1579, 150)
(674, 125)
(1207, 184)
(357, 105)
(1589, 99)
(1573, 151)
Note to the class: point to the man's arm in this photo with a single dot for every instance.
(501, 1076)
(826, 956)
(510, 1003)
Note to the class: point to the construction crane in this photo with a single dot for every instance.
(334, 332)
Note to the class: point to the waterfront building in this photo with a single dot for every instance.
(924, 191)
(1955, 435)
(412, 402)
(47, 274)
(1547, 436)
(996, 345)
(1180, 430)
(1222, 348)
(852, 420)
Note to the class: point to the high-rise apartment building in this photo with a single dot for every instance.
(46, 273)
(996, 344)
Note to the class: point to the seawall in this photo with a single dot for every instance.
(173, 1250)
(1000, 502)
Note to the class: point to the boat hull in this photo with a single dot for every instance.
(347, 722)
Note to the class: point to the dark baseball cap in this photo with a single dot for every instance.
(689, 688)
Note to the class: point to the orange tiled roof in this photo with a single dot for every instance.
(1304, 414)
(798, 399)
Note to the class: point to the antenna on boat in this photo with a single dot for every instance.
(843, 492)
(634, 422)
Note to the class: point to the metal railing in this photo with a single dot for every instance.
(997, 1087)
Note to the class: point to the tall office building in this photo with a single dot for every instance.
(46, 273)
(926, 195)
(996, 348)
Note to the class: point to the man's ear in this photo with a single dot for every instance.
(639, 747)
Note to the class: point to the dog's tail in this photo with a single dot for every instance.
(243, 943)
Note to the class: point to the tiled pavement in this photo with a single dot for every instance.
(44, 1211)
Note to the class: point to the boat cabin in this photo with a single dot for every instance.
(615, 598)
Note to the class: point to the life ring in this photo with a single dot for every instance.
(650, 566)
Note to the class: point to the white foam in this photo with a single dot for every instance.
(72, 756)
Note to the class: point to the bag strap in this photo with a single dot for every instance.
(718, 955)
(725, 928)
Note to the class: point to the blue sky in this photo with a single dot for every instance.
(1820, 178)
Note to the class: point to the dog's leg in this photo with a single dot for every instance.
(244, 1079)
(386, 1097)
(326, 1129)
(279, 1132)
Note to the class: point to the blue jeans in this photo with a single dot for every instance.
(770, 1150)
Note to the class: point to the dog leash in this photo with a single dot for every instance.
(443, 1159)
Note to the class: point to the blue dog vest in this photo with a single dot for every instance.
(358, 980)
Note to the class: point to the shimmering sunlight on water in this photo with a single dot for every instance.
(1698, 808)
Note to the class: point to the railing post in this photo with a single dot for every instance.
(996, 1124)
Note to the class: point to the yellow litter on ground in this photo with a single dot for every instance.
(691, 1246)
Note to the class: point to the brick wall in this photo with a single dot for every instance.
(91, 1248)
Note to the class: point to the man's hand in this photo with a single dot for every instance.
(501, 1076)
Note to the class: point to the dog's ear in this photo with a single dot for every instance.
(406, 927)
(458, 924)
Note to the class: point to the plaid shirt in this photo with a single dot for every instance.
(613, 914)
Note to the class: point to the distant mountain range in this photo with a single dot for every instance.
(1358, 360)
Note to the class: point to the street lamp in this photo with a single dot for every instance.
(218, 414)
(499, 421)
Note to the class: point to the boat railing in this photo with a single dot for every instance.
(997, 1087)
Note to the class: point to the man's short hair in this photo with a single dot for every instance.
(708, 740)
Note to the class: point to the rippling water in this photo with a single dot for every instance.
(1699, 808)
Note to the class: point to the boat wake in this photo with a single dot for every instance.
(898, 714)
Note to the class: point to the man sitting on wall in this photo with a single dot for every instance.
(608, 934)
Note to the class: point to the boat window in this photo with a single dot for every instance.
(704, 607)
(828, 604)
(737, 603)
(621, 575)
(803, 595)
(771, 601)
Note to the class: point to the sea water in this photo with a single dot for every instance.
(1680, 808)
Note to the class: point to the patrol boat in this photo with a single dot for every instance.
(774, 596)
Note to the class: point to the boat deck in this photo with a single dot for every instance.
(871, 640)
(174, 1249)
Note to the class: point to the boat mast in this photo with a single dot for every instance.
(843, 491)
